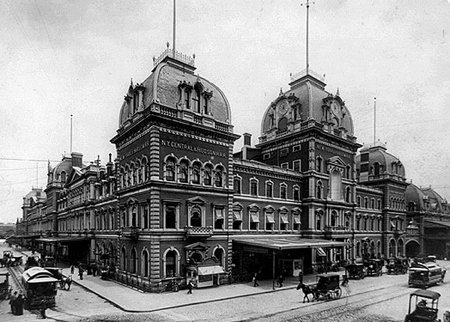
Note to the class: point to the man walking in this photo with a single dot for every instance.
(190, 286)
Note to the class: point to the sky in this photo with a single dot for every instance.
(62, 58)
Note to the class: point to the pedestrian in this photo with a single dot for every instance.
(94, 270)
(42, 308)
(80, 272)
(12, 302)
(72, 269)
(255, 280)
(68, 282)
(18, 305)
(280, 280)
(190, 287)
(300, 276)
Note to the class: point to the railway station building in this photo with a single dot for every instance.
(178, 202)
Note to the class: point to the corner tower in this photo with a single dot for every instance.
(310, 130)
(174, 148)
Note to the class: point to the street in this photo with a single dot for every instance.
(382, 298)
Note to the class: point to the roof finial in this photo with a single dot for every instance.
(337, 92)
(281, 91)
(307, 34)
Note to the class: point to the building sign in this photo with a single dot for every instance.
(333, 151)
(188, 147)
(136, 149)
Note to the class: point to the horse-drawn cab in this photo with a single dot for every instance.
(32, 261)
(355, 270)
(327, 287)
(6, 259)
(374, 267)
(423, 306)
(397, 265)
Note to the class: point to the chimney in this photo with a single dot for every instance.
(247, 139)
(109, 166)
(77, 159)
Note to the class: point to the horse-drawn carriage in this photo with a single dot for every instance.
(326, 288)
(356, 270)
(419, 309)
(397, 265)
(10, 260)
(374, 267)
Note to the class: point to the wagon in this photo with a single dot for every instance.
(397, 265)
(327, 287)
(15, 261)
(423, 306)
(356, 270)
(374, 267)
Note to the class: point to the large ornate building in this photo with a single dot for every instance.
(177, 203)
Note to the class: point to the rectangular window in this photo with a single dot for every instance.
(219, 222)
(237, 219)
(270, 221)
(284, 152)
(296, 165)
(266, 156)
(170, 216)
(296, 148)
(285, 165)
(254, 220)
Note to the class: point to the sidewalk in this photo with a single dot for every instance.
(132, 300)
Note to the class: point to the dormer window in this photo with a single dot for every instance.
(63, 176)
(187, 97)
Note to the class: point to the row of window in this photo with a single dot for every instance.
(134, 173)
(366, 203)
(268, 189)
(185, 171)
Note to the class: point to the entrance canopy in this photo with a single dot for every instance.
(210, 270)
(62, 239)
(289, 242)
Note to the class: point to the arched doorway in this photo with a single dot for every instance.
(412, 248)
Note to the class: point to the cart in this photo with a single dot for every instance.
(423, 306)
(327, 287)
(356, 270)
(374, 267)
(397, 265)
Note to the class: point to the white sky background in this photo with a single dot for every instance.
(77, 57)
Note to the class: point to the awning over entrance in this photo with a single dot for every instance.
(436, 224)
(293, 242)
(320, 252)
(62, 239)
(210, 270)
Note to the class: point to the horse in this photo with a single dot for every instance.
(307, 290)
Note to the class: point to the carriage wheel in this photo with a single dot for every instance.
(338, 292)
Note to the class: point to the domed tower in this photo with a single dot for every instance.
(309, 129)
(174, 154)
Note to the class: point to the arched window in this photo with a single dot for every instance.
(372, 203)
(358, 249)
(170, 170)
(133, 174)
(196, 173)
(219, 254)
(237, 185)
(358, 201)
(269, 189)
(138, 172)
(134, 217)
(133, 261)
(319, 164)
(296, 193)
(348, 172)
(283, 189)
(253, 187)
(196, 217)
(318, 221)
(376, 168)
(400, 248)
(333, 219)
(145, 263)
(183, 171)
(366, 202)
(319, 190)
(347, 194)
(144, 170)
(128, 175)
(171, 263)
(218, 177)
(63, 176)
(392, 248)
(207, 175)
